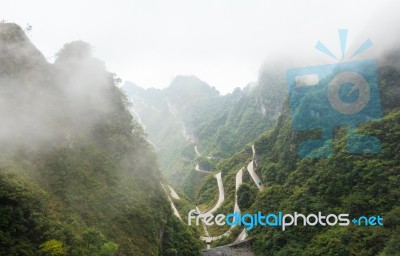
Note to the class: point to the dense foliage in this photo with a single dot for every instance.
(77, 175)
(190, 112)
(357, 184)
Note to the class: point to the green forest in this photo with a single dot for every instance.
(223, 128)
(77, 174)
(88, 166)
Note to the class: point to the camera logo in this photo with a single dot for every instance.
(341, 94)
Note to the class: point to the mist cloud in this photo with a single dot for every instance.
(43, 103)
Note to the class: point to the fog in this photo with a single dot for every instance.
(55, 95)
(222, 42)
(43, 104)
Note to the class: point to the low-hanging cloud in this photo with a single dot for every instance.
(43, 103)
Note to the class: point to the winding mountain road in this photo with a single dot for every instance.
(176, 213)
(173, 193)
(220, 201)
(239, 176)
(239, 180)
(196, 150)
(197, 168)
(254, 176)
(221, 196)
(242, 236)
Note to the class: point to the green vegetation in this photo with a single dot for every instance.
(56, 248)
(208, 191)
(358, 184)
(77, 176)
(246, 196)
(189, 111)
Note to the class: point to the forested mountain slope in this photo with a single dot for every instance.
(77, 176)
(191, 113)
(357, 184)
(361, 184)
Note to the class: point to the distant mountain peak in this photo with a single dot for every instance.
(11, 33)
(193, 82)
(184, 88)
(131, 88)
(16, 50)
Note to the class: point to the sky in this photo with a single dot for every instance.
(223, 42)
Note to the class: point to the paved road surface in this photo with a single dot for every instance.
(227, 250)
(242, 236)
(197, 150)
(221, 196)
(239, 175)
(254, 176)
(197, 168)
(176, 213)
(173, 193)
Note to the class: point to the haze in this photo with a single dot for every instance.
(222, 42)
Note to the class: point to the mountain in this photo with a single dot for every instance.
(358, 184)
(191, 114)
(77, 175)
(362, 184)
(248, 134)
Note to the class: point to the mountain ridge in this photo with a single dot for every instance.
(77, 174)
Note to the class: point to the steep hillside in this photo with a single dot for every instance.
(77, 174)
(357, 184)
(190, 115)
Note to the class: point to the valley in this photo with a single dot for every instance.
(257, 171)
(92, 167)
